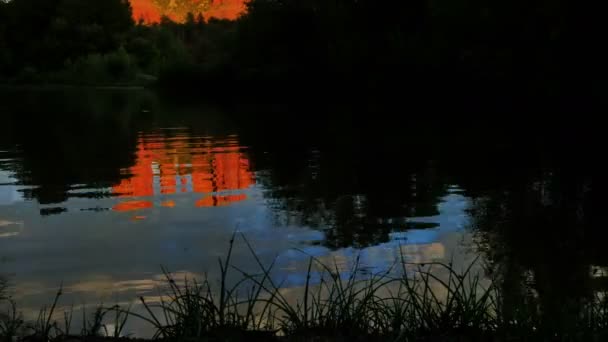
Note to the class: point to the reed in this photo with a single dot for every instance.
(406, 302)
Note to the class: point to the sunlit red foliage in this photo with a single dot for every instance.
(145, 9)
(221, 9)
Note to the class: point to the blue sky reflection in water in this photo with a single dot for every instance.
(102, 206)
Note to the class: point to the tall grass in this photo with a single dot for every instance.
(406, 302)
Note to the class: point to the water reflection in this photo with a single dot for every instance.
(173, 161)
(112, 185)
(101, 174)
(10, 193)
(356, 202)
(59, 146)
(9, 229)
(446, 240)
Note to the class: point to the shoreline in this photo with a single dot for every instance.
(71, 86)
(423, 307)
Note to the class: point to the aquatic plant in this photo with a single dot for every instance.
(406, 302)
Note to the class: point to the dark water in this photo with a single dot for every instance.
(98, 189)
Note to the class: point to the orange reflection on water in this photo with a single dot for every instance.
(133, 205)
(168, 204)
(178, 163)
(220, 201)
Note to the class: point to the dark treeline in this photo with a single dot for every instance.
(490, 49)
(45, 37)
(469, 47)
(98, 42)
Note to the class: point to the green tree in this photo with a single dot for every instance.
(119, 65)
(4, 53)
(45, 34)
(96, 25)
(146, 54)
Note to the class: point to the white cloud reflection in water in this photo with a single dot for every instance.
(177, 207)
(114, 260)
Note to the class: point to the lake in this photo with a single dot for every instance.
(101, 189)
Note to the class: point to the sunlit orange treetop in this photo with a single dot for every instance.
(152, 10)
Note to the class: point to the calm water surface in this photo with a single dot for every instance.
(99, 189)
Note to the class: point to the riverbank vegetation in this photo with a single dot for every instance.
(291, 46)
(405, 302)
(97, 43)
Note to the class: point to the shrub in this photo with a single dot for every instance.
(119, 65)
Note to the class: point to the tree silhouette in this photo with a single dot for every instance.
(56, 32)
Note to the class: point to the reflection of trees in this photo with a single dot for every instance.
(359, 194)
(536, 228)
(77, 143)
(534, 204)
(64, 144)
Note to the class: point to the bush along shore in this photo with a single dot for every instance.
(415, 305)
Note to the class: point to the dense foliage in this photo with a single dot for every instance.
(52, 35)
(96, 42)
(535, 47)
